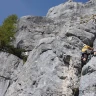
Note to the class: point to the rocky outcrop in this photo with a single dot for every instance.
(32, 29)
(72, 10)
(54, 43)
(10, 66)
(88, 79)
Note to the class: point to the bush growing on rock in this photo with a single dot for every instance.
(7, 30)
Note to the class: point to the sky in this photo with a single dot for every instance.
(27, 7)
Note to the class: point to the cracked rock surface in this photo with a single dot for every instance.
(10, 66)
(54, 43)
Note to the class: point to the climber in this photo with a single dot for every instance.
(86, 50)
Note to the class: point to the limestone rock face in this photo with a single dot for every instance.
(72, 10)
(31, 29)
(88, 80)
(54, 42)
(10, 66)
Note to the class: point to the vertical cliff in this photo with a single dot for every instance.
(54, 42)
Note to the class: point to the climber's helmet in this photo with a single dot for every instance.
(84, 45)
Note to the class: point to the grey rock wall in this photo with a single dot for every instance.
(88, 79)
(10, 65)
(31, 29)
(54, 43)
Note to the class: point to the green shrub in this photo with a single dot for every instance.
(16, 51)
(7, 30)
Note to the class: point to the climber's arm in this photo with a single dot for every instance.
(91, 48)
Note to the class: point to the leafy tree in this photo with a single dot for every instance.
(7, 30)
